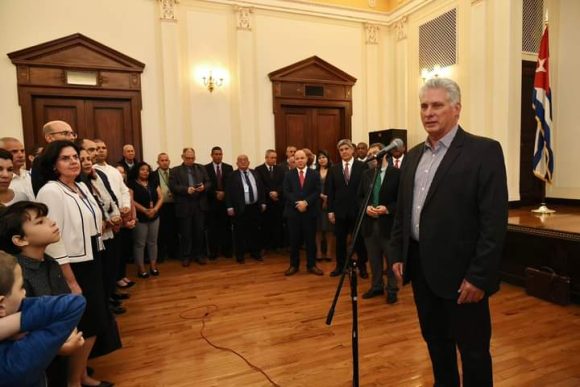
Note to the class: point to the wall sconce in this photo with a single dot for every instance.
(211, 83)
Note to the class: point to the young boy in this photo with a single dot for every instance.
(46, 322)
(25, 231)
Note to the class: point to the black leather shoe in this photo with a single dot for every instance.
(143, 275)
(154, 272)
(315, 270)
(185, 263)
(120, 296)
(373, 293)
(392, 298)
(118, 309)
(291, 271)
(364, 274)
(336, 272)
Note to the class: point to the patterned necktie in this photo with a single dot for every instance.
(250, 188)
(346, 174)
(377, 189)
(396, 163)
(218, 174)
(301, 178)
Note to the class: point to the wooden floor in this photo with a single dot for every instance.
(278, 324)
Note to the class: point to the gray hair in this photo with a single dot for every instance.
(345, 141)
(452, 88)
(379, 145)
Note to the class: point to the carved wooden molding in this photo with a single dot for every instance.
(168, 10)
(400, 27)
(243, 18)
(372, 33)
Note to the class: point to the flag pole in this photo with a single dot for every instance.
(543, 209)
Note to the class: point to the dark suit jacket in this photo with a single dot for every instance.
(227, 170)
(235, 197)
(342, 198)
(154, 178)
(188, 204)
(464, 218)
(309, 192)
(272, 183)
(387, 198)
(125, 165)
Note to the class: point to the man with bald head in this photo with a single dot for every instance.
(128, 161)
(52, 131)
(21, 181)
(245, 200)
(189, 183)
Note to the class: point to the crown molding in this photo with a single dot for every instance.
(301, 7)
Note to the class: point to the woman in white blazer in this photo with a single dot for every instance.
(79, 218)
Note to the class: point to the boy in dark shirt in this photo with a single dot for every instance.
(25, 231)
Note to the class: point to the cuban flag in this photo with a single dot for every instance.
(543, 160)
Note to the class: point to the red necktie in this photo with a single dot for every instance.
(396, 163)
(218, 176)
(301, 178)
(346, 174)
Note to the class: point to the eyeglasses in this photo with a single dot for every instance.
(66, 133)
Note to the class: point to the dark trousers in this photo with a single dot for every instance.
(446, 325)
(343, 227)
(191, 236)
(272, 230)
(111, 257)
(247, 231)
(302, 228)
(219, 230)
(167, 239)
(377, 248)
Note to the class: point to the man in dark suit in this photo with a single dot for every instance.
(342, 184)
(448, 235)
(378, 221)
(302, 197)
(245, 201)
(188, 184)
(167, 240)
(128, 161)
(218, 222)
(286, 164)
(272, 177)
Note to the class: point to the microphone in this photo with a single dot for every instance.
(397, 143)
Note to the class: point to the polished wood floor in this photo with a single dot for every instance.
(278, 324)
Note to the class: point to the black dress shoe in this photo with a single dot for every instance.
(291, 271)
(154, 272)
(103, 383)
(373, 293)
(127, 286)
(185, 263)
(315, 270)
(363, 272)
(143, 275)
(114, 302)
(117, 309)
(120, 296)
(392, 298)
(336, 272)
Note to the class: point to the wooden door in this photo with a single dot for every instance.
(108, 120)
(316, 128)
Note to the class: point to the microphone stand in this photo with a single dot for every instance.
(351, 267)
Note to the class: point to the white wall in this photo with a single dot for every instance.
(178, 111)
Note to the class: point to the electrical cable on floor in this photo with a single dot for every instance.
(208, 310)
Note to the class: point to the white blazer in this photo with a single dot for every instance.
(77, 218)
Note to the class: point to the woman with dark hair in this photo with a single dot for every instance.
(148, 200)
(323, 164)
(8, 196)
(79, 218)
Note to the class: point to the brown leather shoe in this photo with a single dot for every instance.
(315, 270)
(291, 271)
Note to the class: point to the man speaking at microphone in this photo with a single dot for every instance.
(448, 235)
